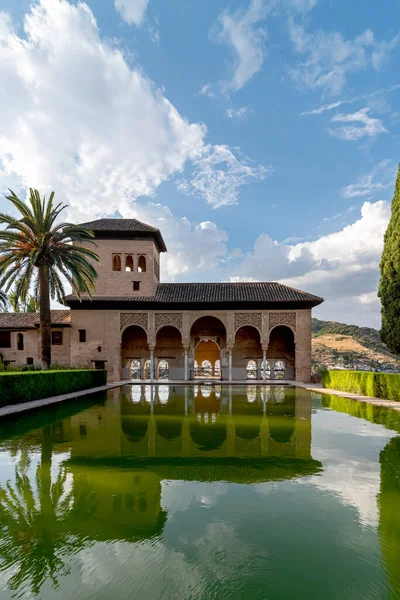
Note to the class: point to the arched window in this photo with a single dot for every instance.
(135, 369)
(116, 262)
(129, 263)
(206, 368)
(279, 370)
(217, 368)
(163, 369)
(147, 369)
(267, 370)
(142, 264)
(20, 341)
(251, 369)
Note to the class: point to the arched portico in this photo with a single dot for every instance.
(169, 348)
(134, 350)
(281, 353)
(247, 353)
(207, 344)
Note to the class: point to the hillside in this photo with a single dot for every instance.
(337, 345)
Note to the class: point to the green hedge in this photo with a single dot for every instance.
(24, 387)
(379, 385)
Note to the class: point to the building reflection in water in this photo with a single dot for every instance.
(120, 451)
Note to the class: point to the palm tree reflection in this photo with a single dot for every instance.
(34, 541)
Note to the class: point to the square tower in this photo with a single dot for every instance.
(129, 253)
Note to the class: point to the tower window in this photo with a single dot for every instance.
(5, 339)
(129, 263)
(20, 341)
(116, 262)
(56, 338)
(142, 264)
(136, 286)
(82, 335)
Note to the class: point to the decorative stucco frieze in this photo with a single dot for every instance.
(242, 319)
(173, 319)
(140, 319)
(282, 318)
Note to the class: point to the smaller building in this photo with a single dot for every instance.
(137, 327)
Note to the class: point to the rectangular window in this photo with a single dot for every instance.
(5, 339)
(82, 335)
(136, 286)
(56, 338)
(29, 360)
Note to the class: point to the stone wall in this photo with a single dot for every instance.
(120, 283)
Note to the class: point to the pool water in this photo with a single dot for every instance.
(203, 492)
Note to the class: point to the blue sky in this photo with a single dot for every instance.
(260, 136)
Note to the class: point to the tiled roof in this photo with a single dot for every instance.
(32, 320)
(119, 225)
(124, 227)
(215, 293)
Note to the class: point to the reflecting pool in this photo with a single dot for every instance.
(201, 492)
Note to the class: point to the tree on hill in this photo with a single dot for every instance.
(36, 252)
(389, 287)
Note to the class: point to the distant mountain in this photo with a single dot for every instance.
(337, 345)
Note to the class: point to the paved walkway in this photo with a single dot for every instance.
(12, 409)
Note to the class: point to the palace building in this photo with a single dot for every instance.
(139, 328)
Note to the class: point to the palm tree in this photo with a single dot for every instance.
(3, 301)
(36, 252)
(30, 305)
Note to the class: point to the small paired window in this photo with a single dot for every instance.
(129, 263)
(116, 262)
(56, 338)
(29, 361)
(5, 339)
(20, 341)
(82, 335)
(142, 264)
(136, 286)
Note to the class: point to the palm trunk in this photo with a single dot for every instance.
(45, 316)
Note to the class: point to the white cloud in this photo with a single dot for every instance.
(78, 119)
(132, 11)
(371, 95)
(218, 175)
(303, 5)
(206, 90)
(237, 113)
(192, 248)
(343, 266)
(360, 125)
(380, 178)
(329, 58)
(241, 30)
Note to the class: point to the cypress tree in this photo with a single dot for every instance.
(389, 287)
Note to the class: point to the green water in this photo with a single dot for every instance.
(204, 492)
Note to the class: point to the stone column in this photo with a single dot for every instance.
(151, 364)
(186, 377)
(230, 363)
(264, 364)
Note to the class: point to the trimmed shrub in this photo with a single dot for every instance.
(379, 385)
(27, 386)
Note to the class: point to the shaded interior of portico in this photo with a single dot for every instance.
(206, 353)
